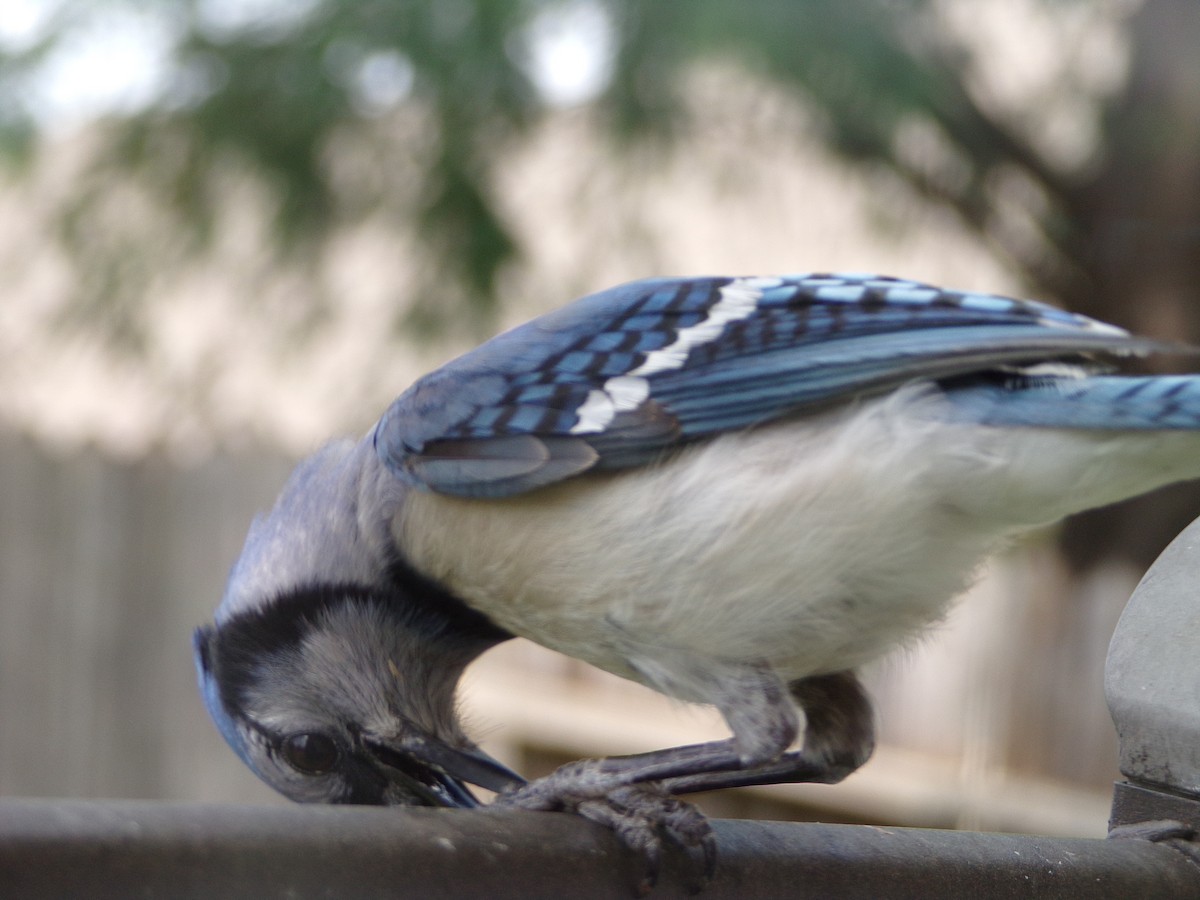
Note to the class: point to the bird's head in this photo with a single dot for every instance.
(344, 694)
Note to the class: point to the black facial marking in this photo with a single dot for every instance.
(437, 612)
(203, 640)
(234, 652)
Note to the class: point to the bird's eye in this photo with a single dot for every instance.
(310, 752)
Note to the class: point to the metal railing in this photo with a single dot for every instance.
(130, 849)
(134, 849)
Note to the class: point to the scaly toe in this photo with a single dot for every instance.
(640, 815)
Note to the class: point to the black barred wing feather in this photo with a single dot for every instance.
(617, 378)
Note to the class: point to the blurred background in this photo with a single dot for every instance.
(230, 229)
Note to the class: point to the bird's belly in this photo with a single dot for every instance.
(810, 548)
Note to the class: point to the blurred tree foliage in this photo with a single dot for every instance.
(266, 85)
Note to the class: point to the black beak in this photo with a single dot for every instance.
(433, 773)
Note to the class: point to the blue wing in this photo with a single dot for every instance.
(619, 377)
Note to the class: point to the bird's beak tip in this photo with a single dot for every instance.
(438, 773)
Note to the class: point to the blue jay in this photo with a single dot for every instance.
(735, 491)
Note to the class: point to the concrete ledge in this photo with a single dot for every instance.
(135, 849)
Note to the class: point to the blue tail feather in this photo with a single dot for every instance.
(1107, 402)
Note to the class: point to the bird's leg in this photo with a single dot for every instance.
(839, 736)
(634, 795)
(629, 794)
(760, 712)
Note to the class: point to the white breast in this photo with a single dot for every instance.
(813, 545)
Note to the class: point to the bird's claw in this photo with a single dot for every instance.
(640, 815)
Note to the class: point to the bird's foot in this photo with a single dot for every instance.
(640, 815)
